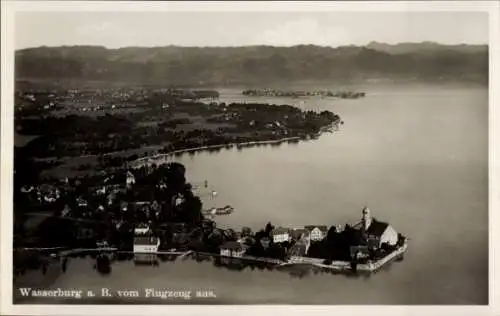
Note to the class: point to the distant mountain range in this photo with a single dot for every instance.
(255, 65)
(427, 48)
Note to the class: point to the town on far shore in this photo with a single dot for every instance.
(72, 132)
(151, 211)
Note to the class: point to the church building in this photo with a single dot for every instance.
(375, 232)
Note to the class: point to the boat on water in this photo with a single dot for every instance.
(226, 210)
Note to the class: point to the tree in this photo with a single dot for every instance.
(246, 231)
(175, 176)
(260, 234)
(191, 210)
(331, 236)
(230, 234)
(332, 242)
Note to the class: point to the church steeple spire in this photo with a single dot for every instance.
(366, 218)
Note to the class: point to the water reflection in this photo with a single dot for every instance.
(164, 257)
(103, 264)
(64, 265)
(146, 259)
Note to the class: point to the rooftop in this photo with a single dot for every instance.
(297, 232)
(232, 245)
(280, 230)
(323, 228)
(377, 228)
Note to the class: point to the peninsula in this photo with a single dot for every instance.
(148, 212)
(109, 128)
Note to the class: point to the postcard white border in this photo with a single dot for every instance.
(9, 7)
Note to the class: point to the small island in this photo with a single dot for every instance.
(297, 94)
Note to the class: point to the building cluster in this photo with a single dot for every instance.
(99, 200)
(170, 223)
(298, 241)
(105, 99)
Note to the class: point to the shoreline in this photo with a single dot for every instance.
(334, 266)
(140, 162)
(201, 148)
(346, 265)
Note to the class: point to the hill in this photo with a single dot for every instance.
(254, 64)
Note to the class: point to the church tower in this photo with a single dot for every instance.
(366, 219)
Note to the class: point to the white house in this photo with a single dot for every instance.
(232, 249)
(145, 241)
(178, 200)
(130, 179)
(316, 233)
(280, 234)
(383, 232)
(146, 244)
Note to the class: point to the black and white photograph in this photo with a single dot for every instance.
(196, 154)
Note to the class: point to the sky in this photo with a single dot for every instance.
(120, 29)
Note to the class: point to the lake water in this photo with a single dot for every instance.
(417, 156)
